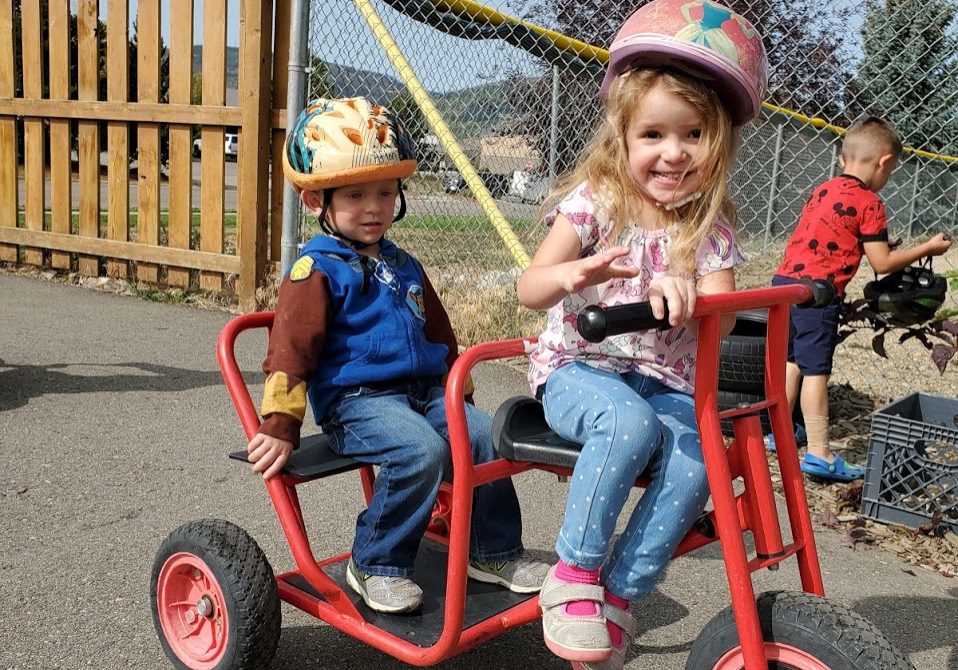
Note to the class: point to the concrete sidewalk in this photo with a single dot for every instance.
(114, 429)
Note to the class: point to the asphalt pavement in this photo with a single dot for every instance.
(115, 429)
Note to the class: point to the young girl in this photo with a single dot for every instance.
(645, 217)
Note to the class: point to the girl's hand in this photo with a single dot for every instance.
(268, 454)
(676, 292)
(597, 269)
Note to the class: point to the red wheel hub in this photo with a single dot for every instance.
(784, 655)
(192, 611)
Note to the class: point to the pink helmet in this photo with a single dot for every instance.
(701, 38)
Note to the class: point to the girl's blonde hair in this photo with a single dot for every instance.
(604, 164)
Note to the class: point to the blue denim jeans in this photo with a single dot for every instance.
(627, 424)
(402, 430)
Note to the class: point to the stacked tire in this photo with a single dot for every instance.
(742, 366)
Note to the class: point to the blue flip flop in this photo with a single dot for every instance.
(801, 438)
(836, 471)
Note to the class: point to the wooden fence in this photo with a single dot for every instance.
(149, 224)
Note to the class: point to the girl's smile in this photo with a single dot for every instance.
(662, 141)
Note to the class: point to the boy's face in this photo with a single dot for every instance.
(361, 212)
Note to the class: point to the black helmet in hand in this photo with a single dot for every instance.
(908, 297)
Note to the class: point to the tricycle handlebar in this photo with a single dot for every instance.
(595, 323)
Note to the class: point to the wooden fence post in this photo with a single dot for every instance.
(255, 97)
(118, 132)
(88, 131)
(148, 134)
(180, 214)
(61, 168)
(34, 136)
(9, 200)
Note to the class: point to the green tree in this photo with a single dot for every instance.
(101, 66)
(909, 73)
(810, 64)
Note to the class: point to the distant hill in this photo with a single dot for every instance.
(232, 64)
(470, 111)
(349, 82)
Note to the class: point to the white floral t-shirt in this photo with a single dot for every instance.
(666, 355)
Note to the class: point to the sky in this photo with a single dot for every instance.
(232, 18)
(342, 36)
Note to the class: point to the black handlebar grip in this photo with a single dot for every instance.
(823, 293)
(597, 323)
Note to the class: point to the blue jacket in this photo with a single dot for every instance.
(377, 319)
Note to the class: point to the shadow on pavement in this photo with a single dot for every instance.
(20, 383)
(321, 647)
(657, 611)
(915, 624)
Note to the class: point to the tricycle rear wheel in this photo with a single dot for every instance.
(801, 632)
(214, 599)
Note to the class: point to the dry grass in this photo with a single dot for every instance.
(489, 314)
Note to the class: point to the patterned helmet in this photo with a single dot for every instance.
(910, 296)
(700, 38)
(348, 141)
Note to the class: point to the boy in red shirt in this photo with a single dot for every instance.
(842, 221)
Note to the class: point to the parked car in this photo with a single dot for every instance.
(528, 187)
(230, 145)
(498, 184)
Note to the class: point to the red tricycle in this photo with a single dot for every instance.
(216, 600)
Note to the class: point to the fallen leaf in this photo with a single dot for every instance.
(930, 527)
(828, 518)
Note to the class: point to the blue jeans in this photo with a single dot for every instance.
(627, 424)
(402, 429)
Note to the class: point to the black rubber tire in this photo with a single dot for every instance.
(833, 634)
(246, 580)
(742, 354)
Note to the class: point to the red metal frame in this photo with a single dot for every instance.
(753, 510)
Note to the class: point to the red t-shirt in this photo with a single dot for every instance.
(828, 242)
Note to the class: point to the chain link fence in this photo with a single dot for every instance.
(520, 99)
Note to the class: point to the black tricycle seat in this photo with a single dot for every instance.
(520, 433)
(312, 460)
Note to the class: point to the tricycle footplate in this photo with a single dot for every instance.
(423, 627)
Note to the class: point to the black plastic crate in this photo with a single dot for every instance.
(912, 469)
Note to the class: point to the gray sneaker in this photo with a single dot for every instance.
(384, 594)
(520, 575)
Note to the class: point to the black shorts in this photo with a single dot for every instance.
(812, 334)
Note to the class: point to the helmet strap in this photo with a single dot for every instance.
(402, 203)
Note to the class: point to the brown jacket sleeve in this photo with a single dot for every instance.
(295, 344)
(438, 328)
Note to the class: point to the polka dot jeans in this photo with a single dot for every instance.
(627, 424)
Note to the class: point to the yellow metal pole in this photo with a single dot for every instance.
(443, 134)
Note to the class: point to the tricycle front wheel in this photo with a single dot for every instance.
(214, 599)
(801, 632)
